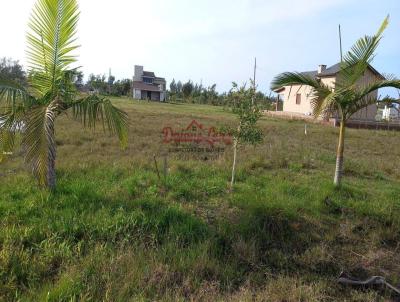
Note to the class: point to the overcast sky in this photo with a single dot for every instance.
(215, 40)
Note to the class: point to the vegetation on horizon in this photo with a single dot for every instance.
(189, 92)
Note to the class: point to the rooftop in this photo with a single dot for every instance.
(332, 71)
(149, 74)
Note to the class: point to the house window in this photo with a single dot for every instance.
(298, 99)
(148, 80)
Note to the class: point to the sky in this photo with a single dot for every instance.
(215, 41)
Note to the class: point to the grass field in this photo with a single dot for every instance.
(113, 232)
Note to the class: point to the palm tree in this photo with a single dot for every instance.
(50, 91)
(348, 96)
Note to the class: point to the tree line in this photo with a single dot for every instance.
(12, 70)
(179, 92)
(190, 92)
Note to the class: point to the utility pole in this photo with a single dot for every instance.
(340, 43)
(254, 79)
(277, 103)
(109, 81)
(255, 68)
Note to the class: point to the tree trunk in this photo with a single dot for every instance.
(235, 143)
(339, 155)
(51, 157)
(51, 174)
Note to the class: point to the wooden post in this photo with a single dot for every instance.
(277, 104)
(165, 167)
(156, 165)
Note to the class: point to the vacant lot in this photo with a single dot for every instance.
(113, 231)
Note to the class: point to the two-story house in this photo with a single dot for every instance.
(297, 99)
(146, 86)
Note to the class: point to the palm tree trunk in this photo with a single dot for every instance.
(235, 143)
(51, 175)
(51, 168)
(339, 155)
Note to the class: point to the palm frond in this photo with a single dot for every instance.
(324, 102)
(389, 101)
(361, 54)
(11, 121)
(358, 103)
(359, 98)
(378, 84)
(93, 109)
(293, 78)
(39, 142)
(11, 93)
(15, 101)
(50, 42)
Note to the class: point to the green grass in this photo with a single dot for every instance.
(113, 232)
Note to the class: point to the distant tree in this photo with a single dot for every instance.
(172, 87)
(195, 93)
(121, 87)
(347, 97)
(243, 102)
(98, 83)
(179, 87)
(11, 70)
(187, 89)
(126, 85)
(212, 95)
(197, 90)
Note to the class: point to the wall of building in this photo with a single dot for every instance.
(137, 94)
(138, 73)
(369, 113)
(155, 96)
(290, 95)
(160, 82)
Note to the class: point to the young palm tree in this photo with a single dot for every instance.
(348, 96)
(50, 92)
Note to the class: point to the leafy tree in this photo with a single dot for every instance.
(187, 89)
(243, 102)
(98, 83)
(348, 96)
(197, 90)
(121, 87)
(172, 87)
(11, 70)
(51, 43)
(179, 87)
(209, 95)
